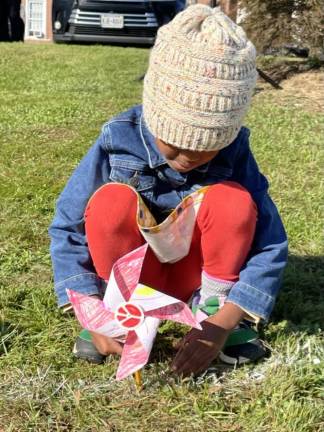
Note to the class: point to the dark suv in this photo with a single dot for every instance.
(121, 21)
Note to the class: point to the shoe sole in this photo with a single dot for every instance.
(250, 353)
(90, 359)
(233, 361)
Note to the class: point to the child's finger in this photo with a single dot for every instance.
(191, 365)
(182, 342)
(184, 353)
(118, 347)
(106, 345)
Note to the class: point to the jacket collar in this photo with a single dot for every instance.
(154, 157)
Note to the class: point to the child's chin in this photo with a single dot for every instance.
(176, 166)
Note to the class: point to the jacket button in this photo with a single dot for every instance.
(134, 181)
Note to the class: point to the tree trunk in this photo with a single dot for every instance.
(230, 8)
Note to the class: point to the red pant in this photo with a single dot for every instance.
(222, 237)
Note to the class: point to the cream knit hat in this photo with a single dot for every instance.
(200, 80)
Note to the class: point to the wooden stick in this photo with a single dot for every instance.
(269, 79)
(138, 379)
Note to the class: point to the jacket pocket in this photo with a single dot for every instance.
(139, 179)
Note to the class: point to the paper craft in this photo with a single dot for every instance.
(130, 312)
(171, 239)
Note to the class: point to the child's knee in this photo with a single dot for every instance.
(113, 196)
(229, 205)
(117, 202)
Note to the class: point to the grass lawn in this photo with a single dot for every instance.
(53, 101)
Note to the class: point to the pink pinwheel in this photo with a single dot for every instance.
(130, 311)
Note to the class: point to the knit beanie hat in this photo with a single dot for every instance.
(200, 80)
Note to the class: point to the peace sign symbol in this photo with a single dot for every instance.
(129, 315)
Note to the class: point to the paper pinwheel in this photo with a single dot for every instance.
(130, 312)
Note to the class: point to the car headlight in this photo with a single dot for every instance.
(57, 25)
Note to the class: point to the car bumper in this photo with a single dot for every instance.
(72, 37)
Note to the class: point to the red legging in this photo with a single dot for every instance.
(222, 237)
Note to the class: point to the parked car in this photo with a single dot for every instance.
(120, 21)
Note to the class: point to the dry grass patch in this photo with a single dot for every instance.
(304, 91)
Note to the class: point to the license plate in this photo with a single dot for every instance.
(112, 21)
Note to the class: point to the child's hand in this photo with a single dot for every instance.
(200, 347)
(106, 345)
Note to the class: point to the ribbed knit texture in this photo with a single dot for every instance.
(200, 80)
(211, 286)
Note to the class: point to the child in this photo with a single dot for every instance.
(187, 135)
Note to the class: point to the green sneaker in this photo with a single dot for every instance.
(84, 349)
(242, 346)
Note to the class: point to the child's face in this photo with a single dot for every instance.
(184, 160)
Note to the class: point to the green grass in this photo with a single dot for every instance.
(53, 101)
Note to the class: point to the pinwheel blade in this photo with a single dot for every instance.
(134, 356)
(147, 332)
(178, 312)
(124, 277)
(149, 298)
(93, 315)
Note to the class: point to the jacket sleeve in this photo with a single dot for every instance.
(72, 264)
(260, 278)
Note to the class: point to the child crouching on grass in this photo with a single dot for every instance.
(187, 135)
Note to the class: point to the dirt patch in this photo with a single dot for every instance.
(304, 90)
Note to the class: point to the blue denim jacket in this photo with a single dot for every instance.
(126, 152)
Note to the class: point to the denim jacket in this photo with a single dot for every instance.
(125, 152)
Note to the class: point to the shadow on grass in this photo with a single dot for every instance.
(300, 303)
(7, 331)
(301, 299)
